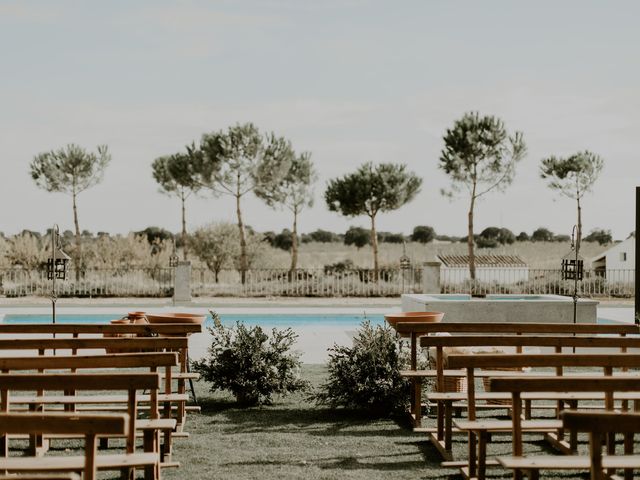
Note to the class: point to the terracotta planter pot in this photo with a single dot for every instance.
(120, 321)
(413, 317)
(176, 318)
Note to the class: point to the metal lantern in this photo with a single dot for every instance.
(58, 265)
(173, 260)
(572, 267)
(405, 261)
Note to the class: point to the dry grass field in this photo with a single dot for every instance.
(539, 255)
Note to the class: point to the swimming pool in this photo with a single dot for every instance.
(264, 320)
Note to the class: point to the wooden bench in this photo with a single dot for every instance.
(479, 430)
(129, 382)
(171, 344)
(518, 342)
(77, 330)
(151, 360)
(604, 423)
(517, 386)
(89, 426)
(419, 334)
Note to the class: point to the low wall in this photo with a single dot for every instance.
(503, 308)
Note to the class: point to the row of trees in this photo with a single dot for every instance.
(479, 156)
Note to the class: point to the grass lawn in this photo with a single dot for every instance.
(296, 439)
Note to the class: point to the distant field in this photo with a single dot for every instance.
(316, 255)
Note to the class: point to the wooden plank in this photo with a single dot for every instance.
(615, 360)
(93, 399)
(114, 424)
(116, 360)
(512, 327)
(79, 381)
(564, 384)
(602, 422)
(530, 341)
(149, 329)
(507, 425)
(76, 463)
(141, 343)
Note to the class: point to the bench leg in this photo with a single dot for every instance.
(472, 455)
(533, 474)
(440, 421)
(527, 409)
(573, 434)
(104, 443)
(595, 451)
(448, 425)
(628, 450)
(417, 403)
(150, 444)
(482, 455)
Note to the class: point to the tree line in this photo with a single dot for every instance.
(479, 155)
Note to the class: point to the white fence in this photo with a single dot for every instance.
(615, 283)
(159, 282)
(307, 283)
(130, 282)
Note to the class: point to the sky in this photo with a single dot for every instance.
(349, 81)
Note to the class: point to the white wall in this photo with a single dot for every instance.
(615, 263)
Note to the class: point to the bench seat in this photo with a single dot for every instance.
(568, 462)
(507, 425)
(93, 399)
(77, 463)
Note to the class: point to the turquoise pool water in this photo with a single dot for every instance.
(271, 320)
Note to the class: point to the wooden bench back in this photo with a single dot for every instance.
(601, 422)
(95, 424)
(518, 328)
(79, 381)
(614, 360)
(172, 343)
(532, 383)
(148, 329)
(518, 385)
(62, 362)
(530, 341)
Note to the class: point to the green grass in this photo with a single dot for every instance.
(295, 438)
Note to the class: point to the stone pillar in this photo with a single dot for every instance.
(431, 277)
(182, 283)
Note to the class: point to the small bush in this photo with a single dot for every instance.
(366, 376)
(251, 364)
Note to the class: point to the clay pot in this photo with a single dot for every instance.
(413, 317)
(137, 317)
(177, 318)
(120, 321)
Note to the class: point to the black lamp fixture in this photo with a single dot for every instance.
(57, 266)
(405, 263)
(174, 259)
(573, 269)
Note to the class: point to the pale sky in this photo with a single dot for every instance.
(350, 81)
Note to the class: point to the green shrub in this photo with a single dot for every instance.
(366, 376)
(251, 364)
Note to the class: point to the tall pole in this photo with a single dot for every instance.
(637, 281)
(54, 234)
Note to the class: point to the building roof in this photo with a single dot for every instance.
(629, 242)
(487, 261)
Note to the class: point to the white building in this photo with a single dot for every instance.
(501, 269)
(617, 263)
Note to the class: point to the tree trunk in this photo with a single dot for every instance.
(294, 244)
(470, 243)
(78, 252)
(374, 246)
(184, 228)
(579, 232)
(243, 241)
